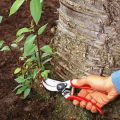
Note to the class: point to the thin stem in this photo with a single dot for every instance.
(39, 53)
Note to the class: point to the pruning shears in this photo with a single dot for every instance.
(67, 90)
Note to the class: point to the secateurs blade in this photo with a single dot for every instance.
(67, 90)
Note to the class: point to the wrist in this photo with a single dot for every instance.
(109, 84)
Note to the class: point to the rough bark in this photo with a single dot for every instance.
(87, 39)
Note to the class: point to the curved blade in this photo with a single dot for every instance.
(49, 87)
(52, 82)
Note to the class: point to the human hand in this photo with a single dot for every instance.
(97, 83)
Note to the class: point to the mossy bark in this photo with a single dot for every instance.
(87, 41)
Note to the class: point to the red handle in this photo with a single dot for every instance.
(78, 98)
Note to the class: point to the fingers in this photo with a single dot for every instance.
(88, 104)
(82, 93)
(76, 103)
(93, 109)
(85, 104)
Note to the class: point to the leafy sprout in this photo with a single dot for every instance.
(34, 58)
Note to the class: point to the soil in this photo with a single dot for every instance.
(13, 107)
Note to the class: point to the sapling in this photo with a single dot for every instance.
(34, 58)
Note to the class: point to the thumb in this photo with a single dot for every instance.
(80, 82)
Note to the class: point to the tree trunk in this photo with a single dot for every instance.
(87, 40)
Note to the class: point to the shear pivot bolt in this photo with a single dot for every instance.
(61, 86)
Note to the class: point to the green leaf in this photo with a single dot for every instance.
(1, 17)
(36, 10)
(20, 38)
(17, 70)
(27, 92)
(43, 68)
(29, 49)
(1, 43)
(20, 90)
(5, 48)
(29, 46)
(47, 49)
(28, 82)
(45, 73)
(14, 45)
(16, 5)
(20, 79)
(42, 29)
(22, 30)
(30, 39)
(33, 58)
